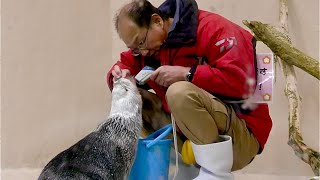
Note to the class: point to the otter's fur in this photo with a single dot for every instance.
(108, 152)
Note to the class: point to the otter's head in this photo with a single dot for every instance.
(125, 97)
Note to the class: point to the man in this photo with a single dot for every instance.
(203, 62)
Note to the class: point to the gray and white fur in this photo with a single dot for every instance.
(108, 152)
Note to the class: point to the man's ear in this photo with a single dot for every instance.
(157, 20)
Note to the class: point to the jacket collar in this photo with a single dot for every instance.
(185, 21)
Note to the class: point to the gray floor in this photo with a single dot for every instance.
(185, 172)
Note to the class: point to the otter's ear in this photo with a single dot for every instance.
(157, 20)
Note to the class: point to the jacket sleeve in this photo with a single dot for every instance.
(230, 63)
(127, 61)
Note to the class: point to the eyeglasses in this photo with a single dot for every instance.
(137, 51)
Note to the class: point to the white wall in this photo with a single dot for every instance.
(55, 55)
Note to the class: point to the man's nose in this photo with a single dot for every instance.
(144, 52)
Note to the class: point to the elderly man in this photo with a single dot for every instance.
(204, 69)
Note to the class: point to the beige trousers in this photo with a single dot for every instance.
(201, 117)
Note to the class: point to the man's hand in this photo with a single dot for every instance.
(167, 75)
(118, 73)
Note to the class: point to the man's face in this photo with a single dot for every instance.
(145, 41)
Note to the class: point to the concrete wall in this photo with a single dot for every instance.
(55, 55)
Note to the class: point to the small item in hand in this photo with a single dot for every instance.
(143, 76)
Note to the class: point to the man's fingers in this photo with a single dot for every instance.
(126, 73)
(117, 69)
(132, 79)
(155, 75)
(116, 72)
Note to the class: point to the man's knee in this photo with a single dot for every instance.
(179, 94)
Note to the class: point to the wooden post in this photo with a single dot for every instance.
(277, 39)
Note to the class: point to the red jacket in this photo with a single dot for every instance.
(230, 62)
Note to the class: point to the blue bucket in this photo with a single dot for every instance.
(153, 156)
